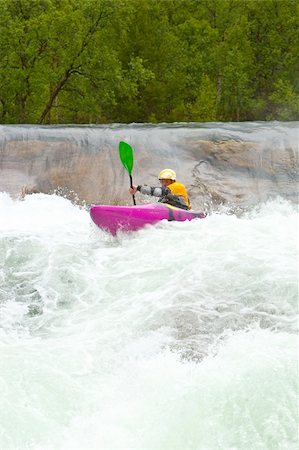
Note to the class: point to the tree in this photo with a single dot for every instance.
(94, 61)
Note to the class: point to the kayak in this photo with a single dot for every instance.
(131, 218)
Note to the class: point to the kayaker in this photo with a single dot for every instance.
(171, 191)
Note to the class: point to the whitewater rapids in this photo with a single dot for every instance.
(181, 336)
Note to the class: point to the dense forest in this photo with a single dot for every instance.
(101, 61)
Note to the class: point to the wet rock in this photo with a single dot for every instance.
(237, 165)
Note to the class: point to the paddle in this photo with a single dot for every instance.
(127, 159)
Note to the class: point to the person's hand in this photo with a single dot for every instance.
(133, 190)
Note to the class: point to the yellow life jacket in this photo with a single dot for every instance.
(179, 189)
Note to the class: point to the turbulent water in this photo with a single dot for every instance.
(181, 336)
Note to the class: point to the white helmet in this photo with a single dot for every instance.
(167, 174)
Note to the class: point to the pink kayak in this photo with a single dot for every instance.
(131, 218)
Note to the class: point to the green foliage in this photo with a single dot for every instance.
(99, 61)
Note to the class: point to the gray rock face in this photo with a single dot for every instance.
(240, 164)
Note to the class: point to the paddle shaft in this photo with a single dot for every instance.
(131, 185)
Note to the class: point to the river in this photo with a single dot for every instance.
(181, 336)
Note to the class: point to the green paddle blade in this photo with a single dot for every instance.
(126, 156)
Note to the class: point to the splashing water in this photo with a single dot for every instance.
(180, 336)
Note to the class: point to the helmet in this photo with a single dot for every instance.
(167, 174)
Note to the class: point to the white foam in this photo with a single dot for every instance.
(179, 336)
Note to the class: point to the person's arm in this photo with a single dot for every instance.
(154, 191)
(148, 190)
